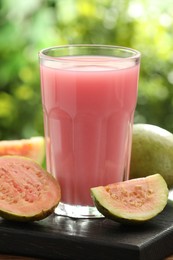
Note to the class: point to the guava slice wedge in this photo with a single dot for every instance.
(132, 201)
(33, 148)
(27, 191)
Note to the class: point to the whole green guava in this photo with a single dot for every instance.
(152, 152)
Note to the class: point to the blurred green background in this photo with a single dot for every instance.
(26, 26)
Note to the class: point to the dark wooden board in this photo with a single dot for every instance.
(63, 238)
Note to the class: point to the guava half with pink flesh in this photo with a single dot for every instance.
(33, 148)
(132, 201)
(27, 191)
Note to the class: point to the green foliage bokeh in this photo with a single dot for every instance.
(30, 25)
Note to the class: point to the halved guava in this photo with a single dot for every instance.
(33, 148)
(27, 191)
(132, 201)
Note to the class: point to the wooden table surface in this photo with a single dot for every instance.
(162, 229)
(10, 257)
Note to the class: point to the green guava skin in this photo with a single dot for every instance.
(152, 152)
(115, 202)
(105, 212)
(17, 218)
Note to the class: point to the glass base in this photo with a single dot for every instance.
(77, 211)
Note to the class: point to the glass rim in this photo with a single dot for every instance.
(135, 54)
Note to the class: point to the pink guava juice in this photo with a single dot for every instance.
(88, 116)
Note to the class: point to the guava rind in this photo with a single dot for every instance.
(152, 152)
(12, 217)
(30, 192)
(115, 209)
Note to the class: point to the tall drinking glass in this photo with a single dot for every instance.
(89, 95)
